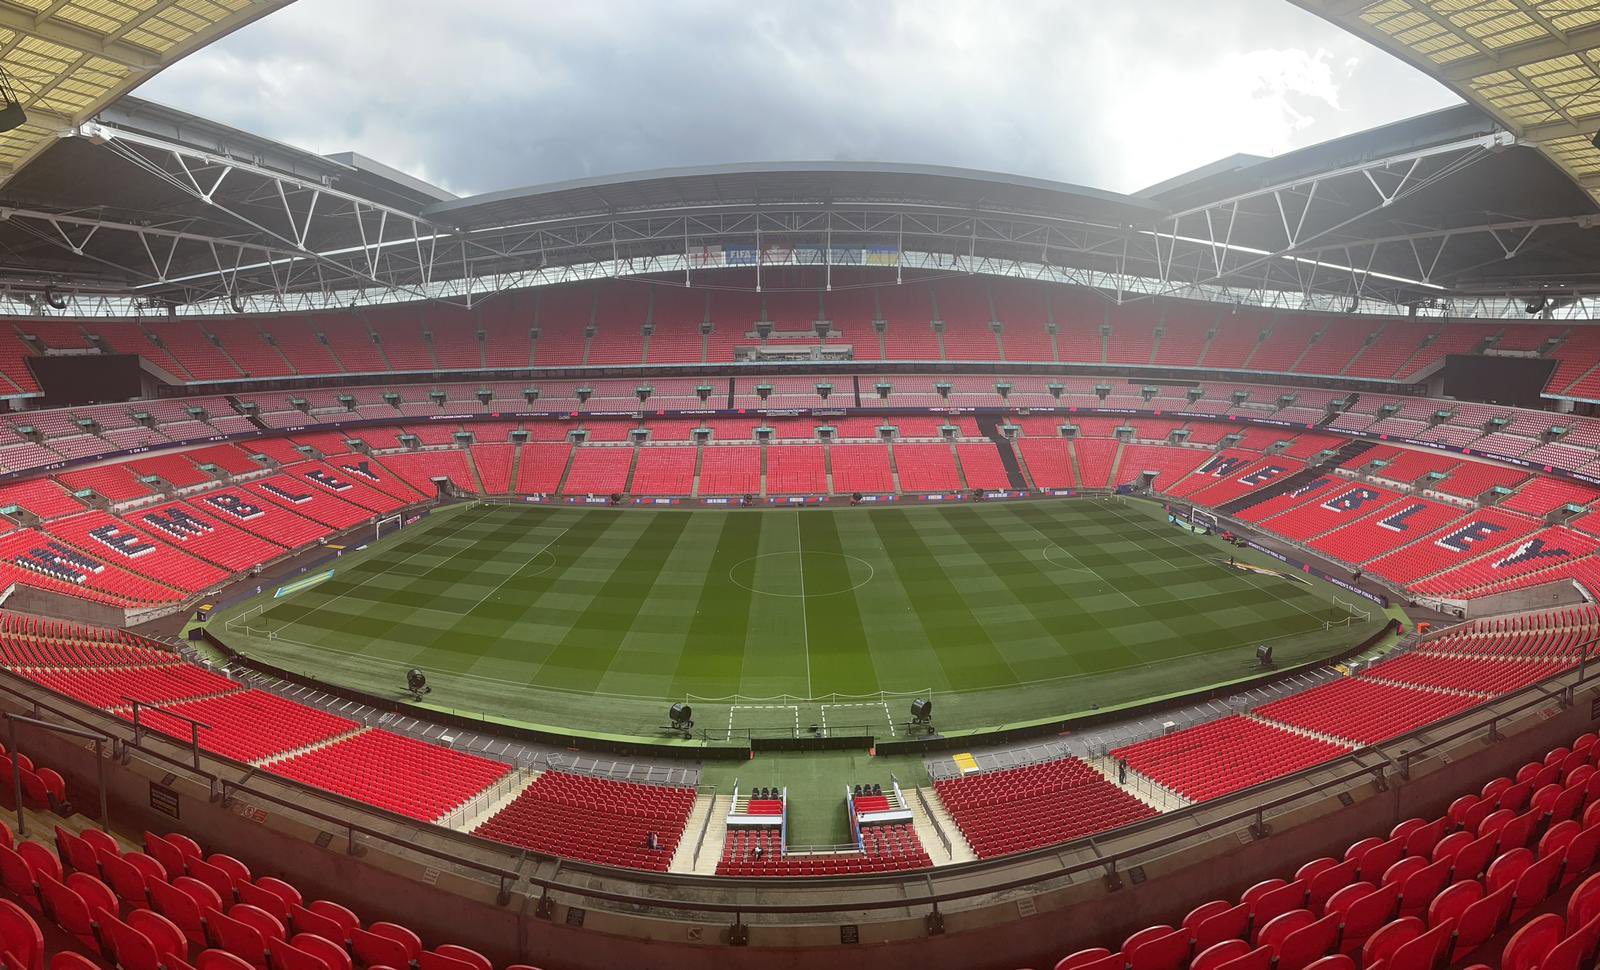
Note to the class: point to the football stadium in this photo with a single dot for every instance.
(800, 564)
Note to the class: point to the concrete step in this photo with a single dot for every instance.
(1140, 786)
(684, 858)
(485, 806)
(923, 823)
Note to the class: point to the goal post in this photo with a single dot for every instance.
(386, 525)
(1201, 519)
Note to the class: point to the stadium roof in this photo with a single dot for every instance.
(150, 204)
(1534, 65)
(818, 183)
(70, 58)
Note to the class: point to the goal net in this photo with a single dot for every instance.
(1201, 519)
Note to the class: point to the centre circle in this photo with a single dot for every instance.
(780, 573)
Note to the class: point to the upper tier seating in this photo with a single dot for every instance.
(1001, 812)
(594, 820)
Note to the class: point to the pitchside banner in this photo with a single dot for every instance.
(1311, 570)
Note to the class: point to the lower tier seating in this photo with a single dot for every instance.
(396, 773)
(1015, 810)
(247, 725)
(1472, 674)
(117, 689)
(1225, 756)
(595, 820)
(1363, 711)
(884, 848)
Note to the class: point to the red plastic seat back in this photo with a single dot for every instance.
(132, 949)
(1452, 901)
(165, 934)
(238, 938)
(1584, 903)
(1388, 938)
(376, 949)
(41, 860)
(1168, 950)
(1424, 952)
(1309, 943)
(1219, 954)
(220, 960)
(330, 953)
(21, 936)
(1230, 924)
(1508, 868)
(1529, 945)
(1482, 920)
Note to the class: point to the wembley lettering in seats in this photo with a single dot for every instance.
(129, 543)
(58, 562)
(1300, 491)
(1352, 501)
(1469, 535)
(298, 498)
(1262, 475)
(234, 506)
(361, 469)
(1397, 521)
(177, 523)
(1531, 551)
(1223, 466)
(326, 480)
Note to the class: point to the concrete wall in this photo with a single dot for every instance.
(1563, 593)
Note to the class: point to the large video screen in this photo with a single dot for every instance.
(86, 378)
(1497, 380)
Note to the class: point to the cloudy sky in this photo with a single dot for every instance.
(490, 94)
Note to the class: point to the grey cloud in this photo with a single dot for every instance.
(497, 93)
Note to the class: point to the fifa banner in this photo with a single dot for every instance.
(1323, 575)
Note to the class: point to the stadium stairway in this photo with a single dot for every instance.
(990, 426)
(1299, 478)
(706, 806)
(255, 420)
(1332, 416)
(936, 819)
(1140, 786)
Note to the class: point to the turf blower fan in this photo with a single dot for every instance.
(417, 684)
(682, 717)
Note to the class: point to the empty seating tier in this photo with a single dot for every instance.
(399, 774)
(1225, 756)
(595, 820)
(1001, 812)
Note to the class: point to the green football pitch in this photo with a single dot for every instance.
(780, 622)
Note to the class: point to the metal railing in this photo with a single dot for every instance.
(938, 828)
(705, 823)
